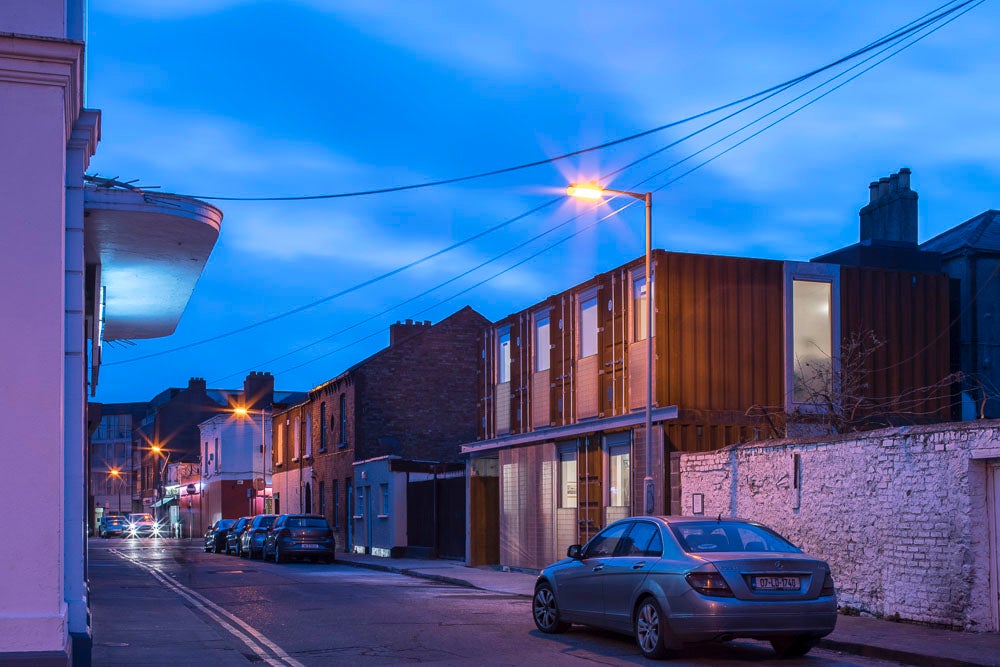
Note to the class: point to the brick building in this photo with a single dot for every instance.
(415, 399)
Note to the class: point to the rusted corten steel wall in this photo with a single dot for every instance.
(910, 313)
(721, 350)
(719, 345)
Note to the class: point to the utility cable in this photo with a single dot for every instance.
(893, 36)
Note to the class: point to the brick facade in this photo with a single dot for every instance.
(416, 399)
(901, 514)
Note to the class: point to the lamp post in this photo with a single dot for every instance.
(116, 474)
(158, 472)
(246, 412)
(594, 191)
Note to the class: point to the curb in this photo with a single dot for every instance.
(421, 575)
(896, 655)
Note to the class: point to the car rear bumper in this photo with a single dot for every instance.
(314, 550)
(813, 619)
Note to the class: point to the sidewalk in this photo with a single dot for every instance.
(900, 642)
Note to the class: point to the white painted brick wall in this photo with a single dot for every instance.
(900, 514)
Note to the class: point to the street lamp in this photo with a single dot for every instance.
(595, 191)
(117, 474)
(158, 471)
(243, 411)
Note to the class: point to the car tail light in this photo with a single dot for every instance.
(828, 588)
(709, 582)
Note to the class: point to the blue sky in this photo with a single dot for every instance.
(223, 97)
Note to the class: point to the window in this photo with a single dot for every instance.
(812, 341)
(309, 434)
(588, 325)
(322, 498)
(322, 427)
(216, 455)
(277, 503)
(605, 542)
(567, 478)
(359, 511)
(639, 307)
(336, 504)
(343, 419)
(280, 447)
(542, 345)
(385, 499)
(619, 476)
(503, 355)
(643, 541)
(296, 440)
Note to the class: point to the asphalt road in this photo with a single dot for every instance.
(159, 602)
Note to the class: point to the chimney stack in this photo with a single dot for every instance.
(891, 213)
(258, 391)
(197, 384)
(400, 331)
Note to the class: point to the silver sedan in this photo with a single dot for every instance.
(671, 581)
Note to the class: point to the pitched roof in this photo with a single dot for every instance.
(981, 233)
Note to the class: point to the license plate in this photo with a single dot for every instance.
(310, 546)
(776, 583)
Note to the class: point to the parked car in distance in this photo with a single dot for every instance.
(299, 536)
(234, 537)
(111, 525)
(253, 536)
(671, 581)
(142, 524)
(215, 538)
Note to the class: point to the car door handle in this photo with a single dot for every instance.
(598, 568)
(638, 566)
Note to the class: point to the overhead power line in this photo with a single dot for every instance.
(896, 35)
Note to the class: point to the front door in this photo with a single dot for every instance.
(581, 582)
(624, 573)
(591, 492)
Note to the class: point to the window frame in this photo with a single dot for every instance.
(563, 454)
(639, 313)
(503, 343)
(583, 299)
(817, 273)
(542, 350)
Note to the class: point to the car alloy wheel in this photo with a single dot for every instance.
(649, 629)
(545, 611)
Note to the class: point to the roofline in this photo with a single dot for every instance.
(571, 431)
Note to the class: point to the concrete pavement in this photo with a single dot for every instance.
(873, 638)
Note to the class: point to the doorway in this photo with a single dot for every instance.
(993, 514)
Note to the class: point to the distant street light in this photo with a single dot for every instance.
(595, 191)
(159, 470)
(243, 411)
(117, 474)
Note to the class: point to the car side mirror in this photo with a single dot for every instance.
(575, 551)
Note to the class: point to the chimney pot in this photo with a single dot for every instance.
(872, 192)
(883, 186)
(894, 183)
(408, 321)
(904, 178)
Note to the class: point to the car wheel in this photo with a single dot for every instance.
(545, 611)
(793, 647)
(649, 626)
(277, 554)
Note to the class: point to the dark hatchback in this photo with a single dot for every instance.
(253, 537)
(215, 538)
(299, 536)
(234, 538)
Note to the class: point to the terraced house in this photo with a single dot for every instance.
(743, 349)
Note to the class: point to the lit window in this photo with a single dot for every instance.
(385, 499)
(619, 476)
(639, 307)
(503, 356)
(812, 341)
(542, 352)
(588, 327)
(567, 479)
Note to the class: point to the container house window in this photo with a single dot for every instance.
(588, 326)
(812, 341)
(619, 476)
(503, 355)
(542, 351)
(384, 488)
(568, 479)
(639, 308)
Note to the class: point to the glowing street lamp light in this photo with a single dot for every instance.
(595, 191)
(117, 474)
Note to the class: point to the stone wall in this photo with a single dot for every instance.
(900, 514)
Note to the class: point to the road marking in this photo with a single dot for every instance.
(256, 641)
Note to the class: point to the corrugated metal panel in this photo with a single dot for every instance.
(722, 323)
(910, 313)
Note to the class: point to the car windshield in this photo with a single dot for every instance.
(729, 536)
(265, 521)
(136, 518)
(307, 522)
